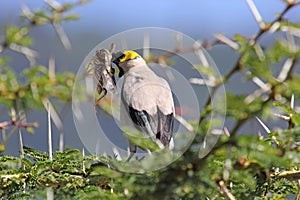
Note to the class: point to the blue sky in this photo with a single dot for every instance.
(196, 18)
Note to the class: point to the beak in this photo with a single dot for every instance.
(116, 59)
(121, 72)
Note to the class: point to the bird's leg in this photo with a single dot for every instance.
(130, 156)
(132, 149)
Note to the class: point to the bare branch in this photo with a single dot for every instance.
(225, 191)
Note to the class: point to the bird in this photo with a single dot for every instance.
(147, 99)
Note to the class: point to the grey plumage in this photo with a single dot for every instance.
(148, 100)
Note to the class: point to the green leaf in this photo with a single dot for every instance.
(243, 42)
(18, 35)
(71, 17)
(2, 147)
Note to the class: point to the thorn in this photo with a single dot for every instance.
(200, 81)
(62, 36)
(256, 14)
(226, 131)
(182, 121)
(26, 11)
(264, 87)
(217, 132)
(285, 69)
(292, 101)
(283, 117)
(260, 135)
(23, 50)
(51, 69)
(48, 108)
(263, 125)
(274, 27)
(292, 30)
(259, 52)
(227, 41)
(146, 46)
(199, 53)
(259, 82)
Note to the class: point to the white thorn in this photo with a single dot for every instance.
(285, 69)
(293, 31)
(259, 82)
(200, 81)
(256, 14)
(263, 125)
(227, 41)
(199, 53)
(292, 101)
(274, 27)
(49, 130)
(146, 46)
(226, 131)
(283, 117)
(259, 52)
(188, 126)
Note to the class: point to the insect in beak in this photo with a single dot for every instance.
(104, 73)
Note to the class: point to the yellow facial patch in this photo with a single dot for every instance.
(129, 55)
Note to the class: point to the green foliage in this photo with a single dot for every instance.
(250, 174)
(38, 86)
(17, 35)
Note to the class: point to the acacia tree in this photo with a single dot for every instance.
(246, 166)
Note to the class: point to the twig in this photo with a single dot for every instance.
(225, 191)
(290, 175)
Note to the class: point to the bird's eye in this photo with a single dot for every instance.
(121, 57)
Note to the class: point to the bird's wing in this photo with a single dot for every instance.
(165, 128)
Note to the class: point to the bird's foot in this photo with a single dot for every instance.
(130, 156)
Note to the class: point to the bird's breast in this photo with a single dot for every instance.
(146, 91)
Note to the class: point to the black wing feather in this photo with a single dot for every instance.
(161, 125)
(165, 128)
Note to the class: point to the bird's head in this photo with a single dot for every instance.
(126, 60)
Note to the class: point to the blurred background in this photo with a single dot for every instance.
(101, 19)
